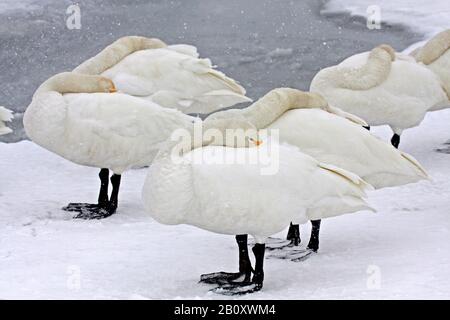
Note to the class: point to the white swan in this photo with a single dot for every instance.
(382, 87)
(75, 116)
(303, 121)
(5, 116)
(435, 55)
(234, 198)
(172, 76)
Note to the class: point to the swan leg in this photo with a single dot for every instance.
(257, 281)
(245, 267)
(103, 199)
(114, 200)
(105, 207)
(395, 141)
(292, 240)
(313, 244)
(294, 234)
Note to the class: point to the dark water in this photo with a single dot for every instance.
(261, 43)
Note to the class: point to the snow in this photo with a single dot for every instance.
(46, 254)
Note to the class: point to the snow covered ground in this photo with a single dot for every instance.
(46, 254)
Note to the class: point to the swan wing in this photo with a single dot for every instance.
(147, 72)
(337, 141)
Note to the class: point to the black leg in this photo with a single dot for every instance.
(314, 240)
(258, 277)
(366, 127)
(105, 207)
(103, 200)
(240, 288)
(114, 200)
(294, 234)
(245, 267)
(395, 141)
(104, 185)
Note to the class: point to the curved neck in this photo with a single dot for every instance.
(374, 72)
(270, 107)
(115, 52)
(434, 48)
(68, 82)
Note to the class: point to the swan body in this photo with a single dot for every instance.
(302, 120)
(171, 76)
(95, 128)
(193, 192)
(203, 188)
(382, 87)
(5, 116)
(435, 55)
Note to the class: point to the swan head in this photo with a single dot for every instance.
(389, 50)
(106, 85)
(234, 132)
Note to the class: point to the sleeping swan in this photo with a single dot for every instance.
(435, 55)
(382, 87)
(199, 188)
(171, 76)
(77, 117)
(303, 120)
(5, 116)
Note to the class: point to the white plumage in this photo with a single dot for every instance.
(96, 128)
(303, 121)
(172, 76)
(435, 55)
(5, 116)
(205, 189)
(382, 87)
(235, 198)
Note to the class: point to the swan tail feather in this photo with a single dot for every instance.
(5, 116)
(352, 177)
(416, 164)
(349, 116)
(185, 49)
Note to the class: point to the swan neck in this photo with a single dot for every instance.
(434, 48)
(69, 82)
(117, 51)
(373, 73)
(278, 101)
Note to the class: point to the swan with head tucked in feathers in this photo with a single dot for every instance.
(5, 116)
(382, 87)
(435, 55)
(205, 188)
(76, 116)
(172, 76)
(307, 121)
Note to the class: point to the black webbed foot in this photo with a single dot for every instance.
(78, 207)
(237, 289)
(95, 212)
(223, 278)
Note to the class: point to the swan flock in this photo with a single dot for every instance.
(131, 105)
